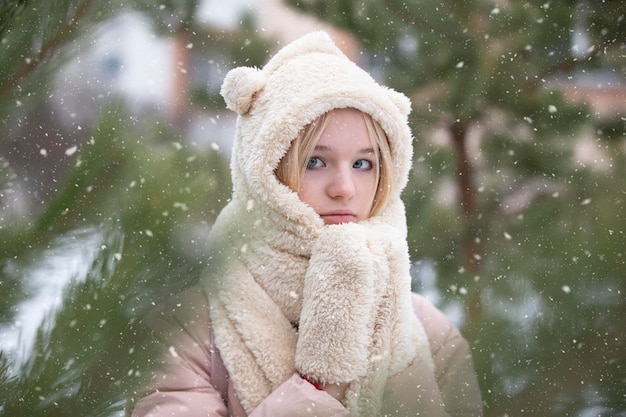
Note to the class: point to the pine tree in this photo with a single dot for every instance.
(125, 218)
(525, 236)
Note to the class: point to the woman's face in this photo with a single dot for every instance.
(341, 177)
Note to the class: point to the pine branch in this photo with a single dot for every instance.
(62, 36)
(568, 65)
(9, 10)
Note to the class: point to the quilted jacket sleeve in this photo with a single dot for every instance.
(191, 380)
(454, 368)
(182, 381)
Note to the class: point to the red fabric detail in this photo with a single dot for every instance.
(310, 381)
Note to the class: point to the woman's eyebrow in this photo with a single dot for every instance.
(324, 148)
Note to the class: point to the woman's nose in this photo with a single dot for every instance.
(342, 185)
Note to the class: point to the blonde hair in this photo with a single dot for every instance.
(292, 166)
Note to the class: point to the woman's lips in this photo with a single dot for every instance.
(338, 217)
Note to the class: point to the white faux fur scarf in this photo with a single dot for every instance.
(271, 273)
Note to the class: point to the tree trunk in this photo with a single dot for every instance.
(472, 257)
(178, 108)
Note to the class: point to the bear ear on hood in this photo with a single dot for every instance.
(401, 101)
(240, 86)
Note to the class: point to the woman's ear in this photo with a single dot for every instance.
(240, 86)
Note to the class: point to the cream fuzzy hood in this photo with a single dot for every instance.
(306, 79)
(281, 284)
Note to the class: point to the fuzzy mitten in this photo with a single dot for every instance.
(342, 323)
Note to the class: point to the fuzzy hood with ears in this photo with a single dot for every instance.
(271, 252)
(304, 80)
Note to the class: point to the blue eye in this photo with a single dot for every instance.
(362, 164)
(314, 162)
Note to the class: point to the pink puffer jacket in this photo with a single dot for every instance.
(194, 381)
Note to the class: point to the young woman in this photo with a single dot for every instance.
(306, 307)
